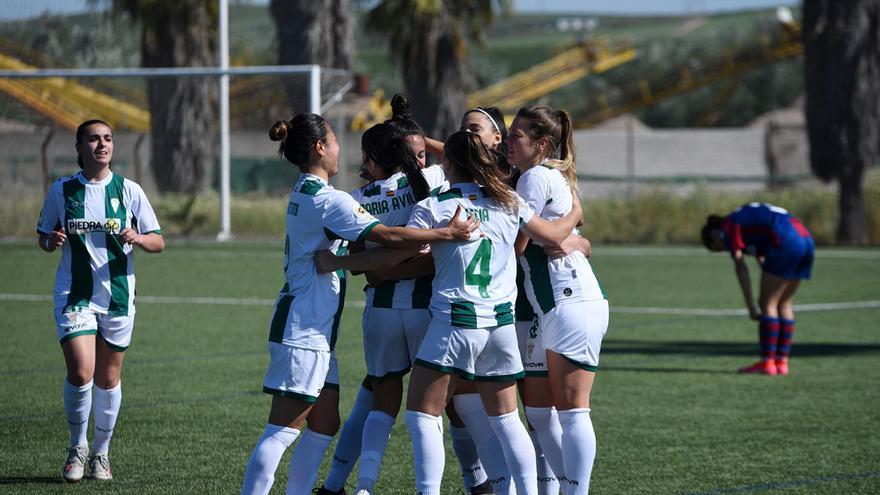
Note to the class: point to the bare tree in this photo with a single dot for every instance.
(429, 39)
(179, 33)
(842, 75)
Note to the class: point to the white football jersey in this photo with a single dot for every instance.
(391, 201)
(474, 282)
(96, 268)
(318, 217)
(552, 281)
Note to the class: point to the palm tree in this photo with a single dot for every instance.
(313, 32)
(179, 33)
(429, 39)
(842, 73)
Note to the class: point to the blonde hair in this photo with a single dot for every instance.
(556, 126)
(472, 160)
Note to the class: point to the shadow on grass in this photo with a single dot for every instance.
(692, 348)
(31, 480)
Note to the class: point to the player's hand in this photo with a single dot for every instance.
(130, 236)
(326, 262)
(460, 230)
(55, 240)
(571, 244)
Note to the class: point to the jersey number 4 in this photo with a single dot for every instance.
(481, 259)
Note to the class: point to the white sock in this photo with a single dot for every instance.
(348, 448)
(470, 408)
(377, 431)
(429, 454)
(305, 461)
(105, 405)
(77, 406)
(578, 448)
(466, 451)
(545, 421)
(547, 482)
(518, 451)
(260, 472)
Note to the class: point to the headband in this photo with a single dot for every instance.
(497, 129)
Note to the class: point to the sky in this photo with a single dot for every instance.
(23, 9)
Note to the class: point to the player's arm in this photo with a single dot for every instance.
(742, 276)
(434, 147)
(374, 259)
(420, 266)
(555, 232)
(456, 230)
(151, 242)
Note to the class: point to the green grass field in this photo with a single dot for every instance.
(670, 414)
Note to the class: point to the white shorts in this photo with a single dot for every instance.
(300, 373)
(575, 330)
(531, 348)
(114, 330)
(391, 339)
(481, 354)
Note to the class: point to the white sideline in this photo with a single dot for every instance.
(232, 301)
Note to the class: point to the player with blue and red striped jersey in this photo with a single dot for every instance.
(784, 249)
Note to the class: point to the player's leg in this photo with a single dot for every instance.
(786, 326)
(348, 448)
(469, 407)
(428, 394)
(388, 392)
(499, 401)
(473, 473)
(323, 423)
(571, 385)
(771, 292)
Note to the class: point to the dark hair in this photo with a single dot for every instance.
(500, 151)
(80, 134)
(472, 160)
(298, 137)
(383, 144)
(556, 126)
(401, 117)
(713, 224)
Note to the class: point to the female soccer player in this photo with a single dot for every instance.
(302, 375)
(471, 333)
(784, 249)
(564, 292)
(96, 217)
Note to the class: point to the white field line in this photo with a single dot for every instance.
(232, 301)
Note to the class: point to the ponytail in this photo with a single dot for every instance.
(398, 151)
(298, 137)
(566, 161)
(556, 126)
(470, 157)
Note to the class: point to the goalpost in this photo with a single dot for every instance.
(314, 73)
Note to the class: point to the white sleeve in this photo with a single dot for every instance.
(525, 212)
(535, 191)
(434, 176)
(143, 218)
(50, 215)
(422, 216)
(345, 218)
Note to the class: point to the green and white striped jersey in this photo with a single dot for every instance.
(96, 268)
(391, 200)
(318, 217)
(474, 282)
(552, 281)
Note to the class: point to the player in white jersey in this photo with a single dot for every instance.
(568, 299)
(471, 334)
(302, 375)
(96, 217)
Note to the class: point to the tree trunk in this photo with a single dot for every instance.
(312, 32)
(182, 110)
(842, 80)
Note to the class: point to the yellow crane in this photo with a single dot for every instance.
(68, 103)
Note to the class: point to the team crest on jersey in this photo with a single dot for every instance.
(114, 203)
(71, 317)
(360, 212)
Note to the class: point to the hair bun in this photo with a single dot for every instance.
(400, 107)
(278, 132)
